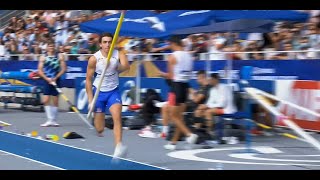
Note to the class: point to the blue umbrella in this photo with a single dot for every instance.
(236, 26)
(145, 24)
(275, 15)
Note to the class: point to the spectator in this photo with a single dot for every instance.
(26, 55)
(216, 45)
(92, 46)
(74, 49)
(3, 51)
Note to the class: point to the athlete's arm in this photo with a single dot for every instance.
(40, 69)
(90, 72)
(63, 67)
(124, 64)
(171, 63)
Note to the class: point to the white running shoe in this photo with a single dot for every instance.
(54, 124)
(46, 124)
(120, 151)
(147, 134)
(192, 139)
(170, 147)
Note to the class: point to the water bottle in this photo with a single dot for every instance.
(219, 166)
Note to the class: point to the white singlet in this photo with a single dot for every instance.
(111, 78)
(182, 70)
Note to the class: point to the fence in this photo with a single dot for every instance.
(139, 59)
(252, 55)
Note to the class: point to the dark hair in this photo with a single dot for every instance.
(175, 39)
(51, 43)
(201, 72)
(105, 35)
(215, 76)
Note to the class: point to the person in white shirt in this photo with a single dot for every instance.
(220, 101)
(217, 43)
(180, 66)
(216, 102)
(109, 96)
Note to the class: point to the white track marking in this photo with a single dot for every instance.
(191, 155)
(88, 150)
(32, 160)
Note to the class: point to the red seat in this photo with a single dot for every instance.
(134, 107)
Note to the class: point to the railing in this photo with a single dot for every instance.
(162, 56)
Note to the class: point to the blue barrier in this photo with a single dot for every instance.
(261, 69)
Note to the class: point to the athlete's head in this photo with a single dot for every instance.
(215, 78)
(175, 42)
(105, 41)
(201, 77)
(51, 47)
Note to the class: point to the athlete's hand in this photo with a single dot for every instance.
(49, 80)
(89, 106)
(54, 79)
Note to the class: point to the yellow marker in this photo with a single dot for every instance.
(66, 134)
(55, 138)
(263, 126)
(290, 135)
(34, 133)
(52, 137)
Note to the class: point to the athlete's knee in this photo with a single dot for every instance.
(117, 120)
(46, 100)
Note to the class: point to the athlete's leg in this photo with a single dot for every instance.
(178, 131)
(165, 119)
(115, 108)
(99, 112)
(115, 111)
(46, 103)
(99, 122)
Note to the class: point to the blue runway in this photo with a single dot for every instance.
(62, 156)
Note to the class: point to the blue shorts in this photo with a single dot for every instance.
(106, 100)
(50, 90)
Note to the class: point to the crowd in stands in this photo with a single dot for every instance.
(26, 38)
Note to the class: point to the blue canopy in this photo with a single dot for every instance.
(145, 24)
(237, 26)
(276, 15)
(109, 23)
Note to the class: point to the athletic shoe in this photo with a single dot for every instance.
(46, 124)
(120, 151)
(54, 124)
(147, 134)
(170, 147)
(192, 139)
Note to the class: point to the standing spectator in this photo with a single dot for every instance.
(92, 46)
(74, 49)
(3, 51)
(216, 45)
(201, 46)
